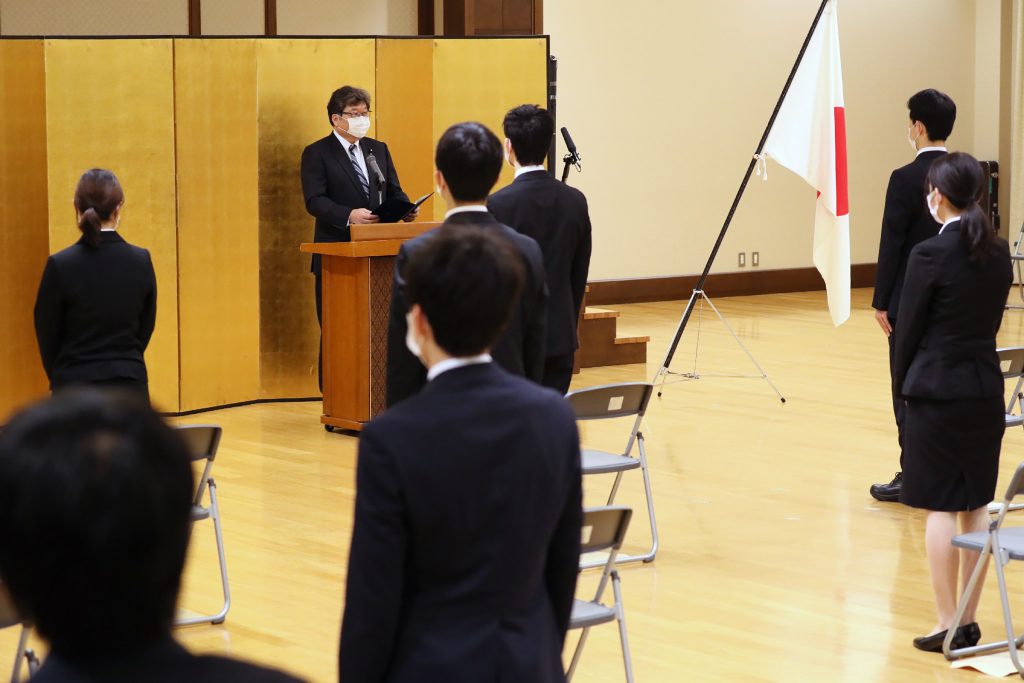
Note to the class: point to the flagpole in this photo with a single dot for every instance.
(739, 195)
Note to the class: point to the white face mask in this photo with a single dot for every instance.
(910, 138)
(933, 208)
(410, 340)
(359, 126)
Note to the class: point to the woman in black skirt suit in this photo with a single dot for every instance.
(947, 369)
(96, 306)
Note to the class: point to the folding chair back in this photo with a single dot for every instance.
(611, 400)
(202, 442)
(1016, 485)
(604, 528)
(1011, 362)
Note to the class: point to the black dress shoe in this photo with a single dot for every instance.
(888, 493)
(972, 633)
(933, 643)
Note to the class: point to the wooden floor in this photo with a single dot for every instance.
(775, 564)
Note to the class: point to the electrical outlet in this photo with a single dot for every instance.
(755, 259)
(743, 259)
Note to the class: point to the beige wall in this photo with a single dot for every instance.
(232, 17)
(346, 17)
(668, 100)
(93, 17)
(987, 57)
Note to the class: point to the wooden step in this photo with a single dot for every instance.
(592, 313)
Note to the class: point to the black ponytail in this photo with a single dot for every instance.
(97, 197)
(958, 177)
(90, 224)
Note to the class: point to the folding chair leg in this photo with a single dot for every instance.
(615, 489)
(219, 617)
(972, 586)
(620, 616)
(20, 654)
(576, 655)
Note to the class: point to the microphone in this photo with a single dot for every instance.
(371, 163)
(573, 156)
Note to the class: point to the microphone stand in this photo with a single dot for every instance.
(567, 159)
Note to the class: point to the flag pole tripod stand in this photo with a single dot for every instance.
(698, 290)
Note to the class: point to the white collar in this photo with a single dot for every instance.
(465, 209)
(954, 219)
(345, 143)
(931, 149)
(529, 169)
(452, 363)
(108, 229)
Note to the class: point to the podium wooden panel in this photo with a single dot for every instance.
(356, 303)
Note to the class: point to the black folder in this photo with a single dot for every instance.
(394, 209)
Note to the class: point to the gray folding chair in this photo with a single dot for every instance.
(23, 655)
(1011, 361)
(604, 528)
(202, 441)
(613, 401)
(1002, 544)
(1017, 257)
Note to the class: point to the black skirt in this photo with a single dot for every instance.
(951, 453)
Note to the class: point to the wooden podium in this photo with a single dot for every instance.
(356, 304)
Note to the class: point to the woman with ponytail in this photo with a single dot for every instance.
(947, 370)
(96, 305)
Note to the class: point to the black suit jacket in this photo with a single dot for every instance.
(466, 538)
(167, 662)
(905, 223)
(332, 189)
(95, 312)
(520, 349)
(555, 215)
(950, 312)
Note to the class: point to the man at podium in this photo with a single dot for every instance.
(346, 175)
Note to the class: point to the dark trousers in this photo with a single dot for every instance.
(558, 372)
(319, 321)
(122, 386)
(899, 406)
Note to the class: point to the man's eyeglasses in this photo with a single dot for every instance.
(354, 114)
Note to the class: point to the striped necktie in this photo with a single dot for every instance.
(359, 170)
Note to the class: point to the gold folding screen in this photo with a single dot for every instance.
(206, 137)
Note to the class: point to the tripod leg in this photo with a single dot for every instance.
(764, 375)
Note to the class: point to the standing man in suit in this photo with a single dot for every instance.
(556, 216)
(468, 160)
(95, 517)
(906, 221)
(346, 175)
(466, 537)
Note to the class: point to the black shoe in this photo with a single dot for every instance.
(972, 633)
(933, 643)
(888, 493)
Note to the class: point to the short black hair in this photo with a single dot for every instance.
(935, 110)
(346, 96)
(530, 129)
(467, 280)
(469, 157)
(95, 500)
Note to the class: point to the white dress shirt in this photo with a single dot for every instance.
(452, 363)
(931, 149)
(954, 219)
(529, 169)
(359, 153)
(465, 209)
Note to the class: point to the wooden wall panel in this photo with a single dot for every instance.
(481, 79)
(218, 220)
(295, 78)
(110, 104)
(403, 114)
(25, 239)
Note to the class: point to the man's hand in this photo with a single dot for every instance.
(362, 216)
(883, 321)
(412, 215)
